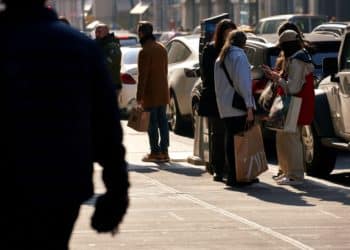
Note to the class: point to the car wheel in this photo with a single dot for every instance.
(174, 116)
(318, 159)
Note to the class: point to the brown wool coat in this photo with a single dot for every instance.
(152, 86)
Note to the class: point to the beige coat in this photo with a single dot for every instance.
(152, 86)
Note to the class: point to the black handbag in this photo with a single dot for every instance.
(237, 101)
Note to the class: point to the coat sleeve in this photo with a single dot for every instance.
(117, 66)
(144, 62)
(107, 134)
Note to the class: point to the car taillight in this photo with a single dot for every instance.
(127, 79)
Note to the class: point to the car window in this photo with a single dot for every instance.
(270, 27)
(316, 21)
(345, 57)
(258, 29)
(130, 56)
(302, 23)
(321, 50)
(251, 55)
(177, 52)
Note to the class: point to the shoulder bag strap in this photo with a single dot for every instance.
(226, 73)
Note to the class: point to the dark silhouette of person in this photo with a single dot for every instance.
(60, 116)
(64, 20)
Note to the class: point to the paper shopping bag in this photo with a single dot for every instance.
(250, 158)
(138, 119)
(284, 114)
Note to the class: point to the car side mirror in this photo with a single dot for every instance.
(330, 67)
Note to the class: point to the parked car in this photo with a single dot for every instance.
(337, 28)
(166, 36)
(129, 78)
(305, 22)
(330, 131)
(182, 58)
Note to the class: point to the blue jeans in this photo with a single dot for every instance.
(158, 127)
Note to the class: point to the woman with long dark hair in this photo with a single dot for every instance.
(208, 103)
(233, 58)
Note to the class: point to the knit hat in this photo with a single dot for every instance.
(288, 36)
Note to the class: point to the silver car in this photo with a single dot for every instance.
(182, 59)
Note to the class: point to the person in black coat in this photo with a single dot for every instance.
(59, 117)
(208, 106)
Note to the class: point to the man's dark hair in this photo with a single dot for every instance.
(145, 27)
(239, 38)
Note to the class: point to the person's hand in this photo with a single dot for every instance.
(270, 74)
(250, 118)
(140, 102)
(109, 212)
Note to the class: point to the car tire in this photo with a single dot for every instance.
(176, 122)
(319, 160)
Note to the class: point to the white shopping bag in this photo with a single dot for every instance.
(284, 114)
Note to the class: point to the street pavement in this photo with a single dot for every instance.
(177, 206)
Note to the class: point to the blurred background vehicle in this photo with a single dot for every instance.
(168, 35)
(331, 27)
(129, 78)
(182, 59)
(126, 38)
(268, 26)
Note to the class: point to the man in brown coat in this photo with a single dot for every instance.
(153, 92)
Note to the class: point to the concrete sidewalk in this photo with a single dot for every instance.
(177, 206)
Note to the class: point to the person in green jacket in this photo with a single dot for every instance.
(111, 48)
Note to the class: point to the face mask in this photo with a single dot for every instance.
(289, 48)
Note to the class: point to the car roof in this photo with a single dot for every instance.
(191, 41)
(288, 16)
(316, 37)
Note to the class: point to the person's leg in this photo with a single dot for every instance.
(217, 146)
(153, 133)
(295, 156)
(290, 157)
(233, 125)
(282, 145)
(163, 129)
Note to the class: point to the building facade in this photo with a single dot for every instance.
(186, 14)
(71, 9)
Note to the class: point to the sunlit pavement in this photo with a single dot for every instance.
(177, 206)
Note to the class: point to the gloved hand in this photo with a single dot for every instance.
(109, 212)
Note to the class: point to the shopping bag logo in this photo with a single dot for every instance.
(249, 153)
(257, 162)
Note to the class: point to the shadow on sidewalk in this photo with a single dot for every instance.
(173, 167)
(297, 197)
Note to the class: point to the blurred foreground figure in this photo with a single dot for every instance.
(60, 116)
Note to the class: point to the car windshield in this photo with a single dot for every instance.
(132, 41)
